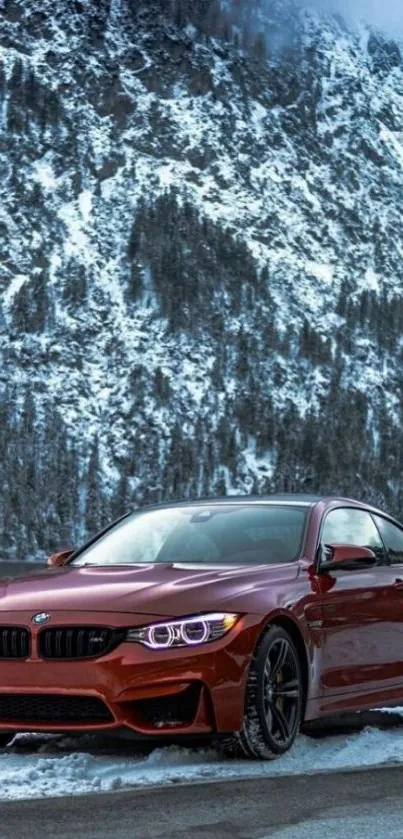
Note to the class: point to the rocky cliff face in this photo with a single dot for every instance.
(201, 282)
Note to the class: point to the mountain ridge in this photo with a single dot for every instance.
(201, 283)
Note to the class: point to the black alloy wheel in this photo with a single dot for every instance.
(274, 699)
(6, 738)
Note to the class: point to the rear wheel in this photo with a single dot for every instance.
(6, 738)
(274, 699)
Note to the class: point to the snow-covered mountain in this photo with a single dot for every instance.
(201, 281)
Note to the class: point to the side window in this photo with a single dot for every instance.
(393, 539)
(347, 526)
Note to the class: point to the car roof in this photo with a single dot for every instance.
(286, 498)
(290, 498)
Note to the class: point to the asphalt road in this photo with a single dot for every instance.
(348, 804)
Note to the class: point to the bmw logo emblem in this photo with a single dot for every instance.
(41, 618)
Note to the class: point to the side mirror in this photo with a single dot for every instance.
(60, 558)
(346, 558)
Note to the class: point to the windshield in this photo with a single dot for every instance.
(201, 534)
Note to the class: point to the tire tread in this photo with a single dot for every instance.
(250, 741)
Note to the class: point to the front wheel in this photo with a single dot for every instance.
(274, 699)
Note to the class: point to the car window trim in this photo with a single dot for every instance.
(380, 535)
(394, 524)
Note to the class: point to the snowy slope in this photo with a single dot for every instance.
(295, 156)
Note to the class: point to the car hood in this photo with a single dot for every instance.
(160, 590)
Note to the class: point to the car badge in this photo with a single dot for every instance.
(43, 617)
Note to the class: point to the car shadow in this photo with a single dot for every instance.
(120, 744)
(126, 744)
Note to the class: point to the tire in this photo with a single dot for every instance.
(6, 738)
(273, 701)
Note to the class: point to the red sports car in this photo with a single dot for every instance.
(241, 617)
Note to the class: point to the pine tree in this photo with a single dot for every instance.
(94, 512)
(121, 502)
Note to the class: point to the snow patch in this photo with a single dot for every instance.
(85, 204)
(40, 775)
(372, 280)
(323, 272)
(43, 174)
(77, 241)
(16, 283)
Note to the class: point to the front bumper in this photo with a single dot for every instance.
(191, 691)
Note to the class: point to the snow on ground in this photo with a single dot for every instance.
(37, 767)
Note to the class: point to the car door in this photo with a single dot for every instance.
(359, 642)
(392, 537)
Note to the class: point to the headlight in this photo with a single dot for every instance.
(188, 632)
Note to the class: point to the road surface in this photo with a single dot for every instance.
(350, 804)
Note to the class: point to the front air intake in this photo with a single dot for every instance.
(45, 708)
